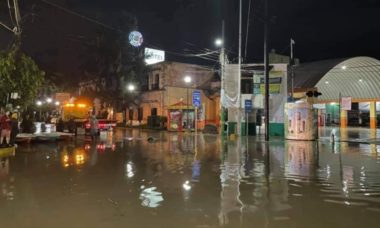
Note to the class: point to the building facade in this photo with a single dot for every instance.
(167, 90)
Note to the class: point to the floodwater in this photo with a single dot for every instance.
(184, 181)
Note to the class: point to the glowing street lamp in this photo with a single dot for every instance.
(39, 104)
(57, 103)
(49, 100)
(131, 88)
(187, 80)
(218, 42)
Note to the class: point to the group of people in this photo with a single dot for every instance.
(9, 129)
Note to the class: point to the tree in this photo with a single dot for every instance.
(19, 74)
(112, 62)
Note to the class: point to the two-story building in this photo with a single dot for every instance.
(169, 95)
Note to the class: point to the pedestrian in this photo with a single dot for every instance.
(94, 127)
(60, 125)
(14, 128)
(27, 125)
(5, 129)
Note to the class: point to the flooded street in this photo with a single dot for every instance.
(179, 180)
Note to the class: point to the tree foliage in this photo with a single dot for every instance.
(19, 74)
(113, 63)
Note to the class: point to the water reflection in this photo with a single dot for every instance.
(301, 159)
(73, 156)
(195, 181)
(151, 198)
(7, 181)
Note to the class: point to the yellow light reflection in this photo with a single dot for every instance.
(65, 160)
(80, 156)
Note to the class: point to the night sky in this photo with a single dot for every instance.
(322, 29)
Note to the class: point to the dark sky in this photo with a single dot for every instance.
(322, 29)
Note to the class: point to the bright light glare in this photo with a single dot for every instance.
(49, 100)
(187, 79)
(131, 87)
(39, 103)
(344, 67)
(57, 103)
(218, 42)
(129, 170)
(186, 186)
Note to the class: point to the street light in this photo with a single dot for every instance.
(187, 80)
(131, 88)
(57, 103)
(218, 42)
(49, 100)
(39, 104)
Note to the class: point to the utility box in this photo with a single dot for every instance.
(301, 121)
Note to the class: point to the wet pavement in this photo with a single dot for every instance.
(180, 180)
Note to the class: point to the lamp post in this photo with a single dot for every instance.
(220, 44)
(131, 88)
(187, 80)
(39, 104)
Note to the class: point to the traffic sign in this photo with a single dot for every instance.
(197, 98)
(248, 105)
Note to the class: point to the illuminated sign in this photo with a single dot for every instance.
(153, 56)
(135, 38)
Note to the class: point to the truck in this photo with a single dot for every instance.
(79, 113)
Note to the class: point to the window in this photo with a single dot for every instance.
(153, 112)
(156, 82)
(246, 86)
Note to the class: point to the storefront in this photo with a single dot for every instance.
(181, 116)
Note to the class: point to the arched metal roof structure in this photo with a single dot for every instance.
(357, 77)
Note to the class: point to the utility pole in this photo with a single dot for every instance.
(291, 66)
(222, 60)
(266, 70)
(247, 32)
(15, 18)
(239, 73)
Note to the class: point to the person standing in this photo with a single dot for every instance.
(94, 127)
(5, 128)
(27, 125)
(14, 128)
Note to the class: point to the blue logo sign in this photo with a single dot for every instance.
(248, 105)
(197, 99)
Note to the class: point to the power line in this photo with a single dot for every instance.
(82, 16)
(198, 55)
